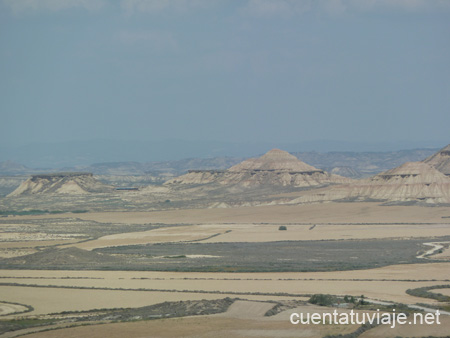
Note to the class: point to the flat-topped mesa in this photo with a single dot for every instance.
(410, 173)
(412, 183)
(210, 171)
(440, 160)
(61, 183)
(277, 167)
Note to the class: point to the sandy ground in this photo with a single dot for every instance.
(266, 233)
(442, 291)
(244, 232)
(417, 330)
(259, 224)
(7, 308)
(435, 247)
(52, 300)
(243, 319)
(444, 255)
(333, 221)
(306, 213)
(408, 272)
(386, 290)
(162, 235)
(387, 283)
(198, 327)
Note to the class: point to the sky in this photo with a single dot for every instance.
(226, 71)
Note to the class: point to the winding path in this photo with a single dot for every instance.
(436, 246)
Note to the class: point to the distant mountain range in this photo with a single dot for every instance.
(349, 164)
(84, 153)
(276, 177)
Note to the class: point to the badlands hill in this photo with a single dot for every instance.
(411, 183)
(61, 183)
(277, 167)
(440, 160)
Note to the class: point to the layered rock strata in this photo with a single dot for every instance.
(61, 183)
(277, 167)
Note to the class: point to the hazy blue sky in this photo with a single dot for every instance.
(276, 71)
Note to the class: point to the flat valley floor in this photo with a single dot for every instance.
(62, 267)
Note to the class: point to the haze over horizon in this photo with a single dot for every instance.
(226, 78)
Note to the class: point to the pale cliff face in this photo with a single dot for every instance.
(62, 183)
(440, 160)
(276, 167)
(411, 182)
(275, 159)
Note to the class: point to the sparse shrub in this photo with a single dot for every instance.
(282, 227)
(362, 301)
(349, 299)
(424, 292)
(322, 300)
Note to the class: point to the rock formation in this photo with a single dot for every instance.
(345, 171)
(61, 183)
(412, 182)
(440, 160)
(276, 167)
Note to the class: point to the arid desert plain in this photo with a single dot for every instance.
(230, 253)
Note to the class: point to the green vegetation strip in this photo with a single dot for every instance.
(157, 290)
(161, 310)
(424, 292)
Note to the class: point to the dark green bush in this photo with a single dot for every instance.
(323, 300)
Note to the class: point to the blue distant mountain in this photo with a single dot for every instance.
(76, 153)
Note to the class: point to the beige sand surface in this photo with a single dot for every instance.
(246, 309)
(7, 308)
(51, 300)
(442, 291)
(198, 327)
(307, 213)
(423, 330)
(245, 232)
(444, 255)
(382, 290)
(243, 319)
(411, 272)
(388, 283)
(161, 235)
(266, 233)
